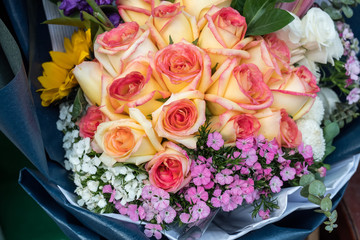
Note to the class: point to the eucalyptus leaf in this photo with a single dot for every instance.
(331, 130)
(358, 1)
(329, 228)
(79, 104)
(348, 12)
(307, 179)
(326, 204)
(305, 192)
(317, 188)
(333, 216)
(314, 199)
(333, 13)
(348, 2)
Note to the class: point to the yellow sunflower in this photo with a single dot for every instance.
(57, 79)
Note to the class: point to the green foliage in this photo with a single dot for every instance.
(163, 100)
(339, 8)
(261, 16)
(344, 113)
(170, 40)
(79, 105)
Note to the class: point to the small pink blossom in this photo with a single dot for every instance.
(245, 144)
(250, 156)
(194, 195)
(147, 192)
(264, 214)
(275, 184)
(322, 171)
(108, 189)
(219, 199)
(160, 199)
(305, 151)
(353, 96)
(200, 210)
(153, 230)
(168, 214)
(215, 141)
(224, 177)
(200, 175)
(136, 212)
(288, 173)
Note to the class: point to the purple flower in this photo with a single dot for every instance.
(114, 18)
(201, 175)
(264, 214)
(153, 230)
(224, 177)
(288, 173)
(168, 214)
(215, 141)
(71, 6)
(275, 184)
(353, 96)
(200, 210)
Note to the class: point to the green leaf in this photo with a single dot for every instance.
(348, 12)
(314, 199)
(348, 2)
(238, 5)
(307, 179)
(333, 13)
(333, 216)
(326, 204)
(213, 70)
(67, 21)
(358, 1)
(163, 100)
(195, 42)
(331, 130)
(329, 228)
(170, 40)
(305, 192)
(79, 104)
(317, 188)
(262, 17)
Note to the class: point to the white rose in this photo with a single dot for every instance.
(320, 37)
(292, 33)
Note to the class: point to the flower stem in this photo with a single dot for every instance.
(99, 14)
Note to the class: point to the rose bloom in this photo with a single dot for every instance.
(90, 121)
(120, 45)
(234, 125)
(239, 88)
(130, 140)
(134, 87)
(170, 20)
(296, 93)
(169, 169)
(222, 34)
(183, 67)
(136, 10)
(200, 7)
(89, 75)
(277, 124)
(180, 117)
(270, 54)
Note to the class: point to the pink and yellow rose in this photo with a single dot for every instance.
(134, 87)
(238, 88)
(171, 21)
(180, 117)
(234, 125)
(200, 7)
(115, 48)
(169, 169)
(183, 67)
(90, 121)
(296, 93)
(136, 10)
(222, 34)
(130, 140)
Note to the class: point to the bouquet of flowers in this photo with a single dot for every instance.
(175, 112)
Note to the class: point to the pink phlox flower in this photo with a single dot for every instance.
(250, 157)
(322, 171)
(185, 217)
(236, 154)
(269, 156)
(133, 212)
(245, 143)
(201, 175)
(200, 210)
(305, 151)
(150, 211)
(245, 171)
(160, 199)
(349, 82)
(194, 195)
(275, 184)
(288, 173)
(231, 205)
(347, 33)
(123, 210)
(267, 173)
(305, 170)
(224, 177)
(108, 189)
(209, 185)
(264, 214)
(353, 96)
(309, 161)
(299, 168)
(168, 214)
(147, 192)
(153, 230)
(215, 141)
(219, 199)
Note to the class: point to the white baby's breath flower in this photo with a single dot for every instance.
(93, 185)
(312, 135)
(96, 161)
(102, 203)
(129, 177)
(81, 202)
(77, 180)
(67, 165)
